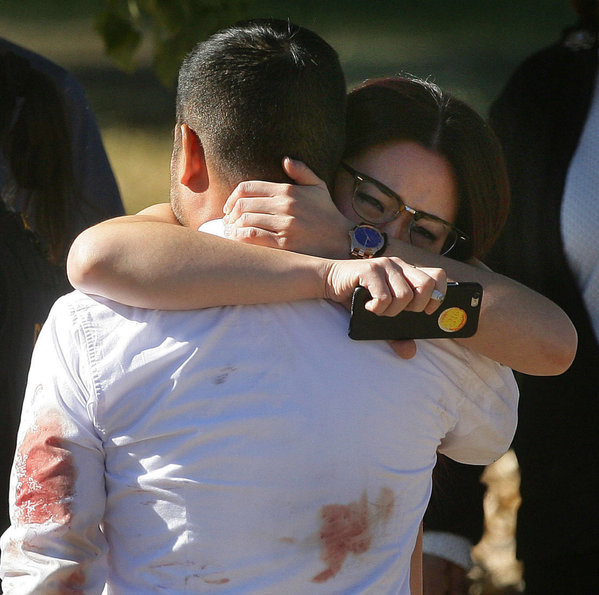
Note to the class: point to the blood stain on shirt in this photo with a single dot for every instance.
(73, 584)
(385, 504)
(348, 529)
(224, 374)
(45, 473)
(216, 581)
(10, 551)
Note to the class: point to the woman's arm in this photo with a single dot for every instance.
(146, 261)
(150, 261)
(518, 327)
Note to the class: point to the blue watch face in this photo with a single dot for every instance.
(368, 237)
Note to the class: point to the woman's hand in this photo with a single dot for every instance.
(394, 286)
(301, 218)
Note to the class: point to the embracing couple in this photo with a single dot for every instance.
(200, 421)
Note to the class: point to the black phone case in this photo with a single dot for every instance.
(456, 317)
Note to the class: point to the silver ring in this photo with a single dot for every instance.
(437, 295)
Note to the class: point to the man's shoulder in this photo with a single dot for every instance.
(102, 317)
(469, 369)
(78, 305)
(78, 300)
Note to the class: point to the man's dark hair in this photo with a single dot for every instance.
(261, 90)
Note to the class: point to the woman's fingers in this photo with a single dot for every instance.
(300, 173)
(429, 284)
(393, 284)
(308, 220)
(407, 287)
(261, 221)
(390, 290)
(405, 348)
(297, 171)
(260, 229)
(256, 204)
(245, 192)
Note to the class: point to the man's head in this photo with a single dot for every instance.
(254, 93)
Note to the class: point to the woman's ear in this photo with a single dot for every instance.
(194, 174)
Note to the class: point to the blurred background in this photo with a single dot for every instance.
(467, 46)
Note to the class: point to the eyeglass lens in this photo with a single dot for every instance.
(377, 207)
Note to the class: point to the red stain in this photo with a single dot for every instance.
(216, 581)
(74, 583)
(10, 551)
(385, 503)
(347, 529)
(45, 473)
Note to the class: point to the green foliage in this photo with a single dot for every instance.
(173, 26)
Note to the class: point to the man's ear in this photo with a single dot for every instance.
(194, 174)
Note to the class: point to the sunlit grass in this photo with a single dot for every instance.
(140, 160)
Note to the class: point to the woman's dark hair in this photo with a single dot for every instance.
(386, 110)
(36, 143)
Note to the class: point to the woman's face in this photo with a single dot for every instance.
(423, 180)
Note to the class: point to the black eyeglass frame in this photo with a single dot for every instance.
(359, 177)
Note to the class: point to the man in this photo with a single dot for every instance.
(246, 449)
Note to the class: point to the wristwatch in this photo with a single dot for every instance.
(366, 241)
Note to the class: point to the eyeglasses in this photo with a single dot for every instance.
(376, 204)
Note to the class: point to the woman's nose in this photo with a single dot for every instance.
(399, 228)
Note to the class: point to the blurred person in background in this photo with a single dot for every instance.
(547, 119)
(53, 167)
(55, 180)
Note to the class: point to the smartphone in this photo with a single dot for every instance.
(456, 317)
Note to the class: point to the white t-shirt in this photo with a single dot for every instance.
(246, 449)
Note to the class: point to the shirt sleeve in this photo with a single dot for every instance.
(487, 414)
(57, 493)
(448, 546)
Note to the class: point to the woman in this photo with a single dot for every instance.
(408, 141)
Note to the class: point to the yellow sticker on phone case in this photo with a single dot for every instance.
(452, 319)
